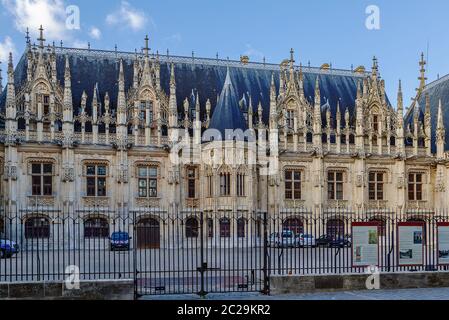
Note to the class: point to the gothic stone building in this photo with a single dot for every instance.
(94, 128)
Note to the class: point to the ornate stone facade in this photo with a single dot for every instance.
(106, 148)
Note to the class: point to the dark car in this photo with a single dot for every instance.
(8, 248)
(120, 241)
(341, 242)
(334, 241)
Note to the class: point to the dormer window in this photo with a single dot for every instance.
(44, 100)
(289, 118)
(375, 122)
(144, 105)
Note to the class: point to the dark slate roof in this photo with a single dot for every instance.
(227, 113)
(205, 76)
(436, 90)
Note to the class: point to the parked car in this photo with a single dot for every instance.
(334, 242)
(274, 240)
(287, 239)
(323, 240)
(120, 241)
(8, 248)
(305, 240)
(341, 242)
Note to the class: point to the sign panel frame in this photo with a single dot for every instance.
(441, 224)
(365, 224)
(421, 224)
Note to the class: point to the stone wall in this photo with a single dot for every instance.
(329, 283)
(89, 290)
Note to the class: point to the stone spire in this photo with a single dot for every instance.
(273, 108)
(1, 79)
(11, 92)
(250, 113)
(122, 130)
(41, 38)
(95, 105)
(440, 132)
(375, 69)
(121, 101)
(208, 108)
(317, 122)
(428, 126)
(68, 102)
(400, 121)
(173, 105)
(422, 77)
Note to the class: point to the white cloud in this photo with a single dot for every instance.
(51, 14)
(253, 53)
(127, 16)
(80, 44)
(95, 33)
(6, 47)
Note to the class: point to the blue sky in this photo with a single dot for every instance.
(320, 31)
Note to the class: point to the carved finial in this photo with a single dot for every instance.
(27, 37)
(422, 78)
(41, 37)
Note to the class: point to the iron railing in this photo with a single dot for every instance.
(196, 251)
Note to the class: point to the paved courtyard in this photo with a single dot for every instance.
(402, 294)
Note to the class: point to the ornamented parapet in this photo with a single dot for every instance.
(337, 204)
(122, 175)
(377, 204)
(68, 174)
(148, 202)
(96, 201)
(48, 201)
(10, 172)
(291, 204)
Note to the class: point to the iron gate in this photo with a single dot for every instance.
(201, 252)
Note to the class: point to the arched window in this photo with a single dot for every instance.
(241, 225)
(225, 228)
(335, 228)
(192, 227)
(351, 139)
(293, 224)
(37, 228)
(392, 141)
(309, 137)
(96, 228)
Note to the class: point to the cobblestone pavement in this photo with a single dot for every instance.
(403, 294)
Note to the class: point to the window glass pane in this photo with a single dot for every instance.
(419, 178)
(101, 170)
(36, 168)
(297, 175)
(142, 171)
(36, 185)
(380, 177)
(152, 172)
(339, 176)
(48, 168)
(288, 175)
(90, 170)
(142, 183)
(371, 177)
(330, 176)
(411, 178)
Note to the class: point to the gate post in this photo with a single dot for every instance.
(203, 267)
(266, 275)
(134, 237)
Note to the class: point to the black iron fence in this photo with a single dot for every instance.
(193, 251)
